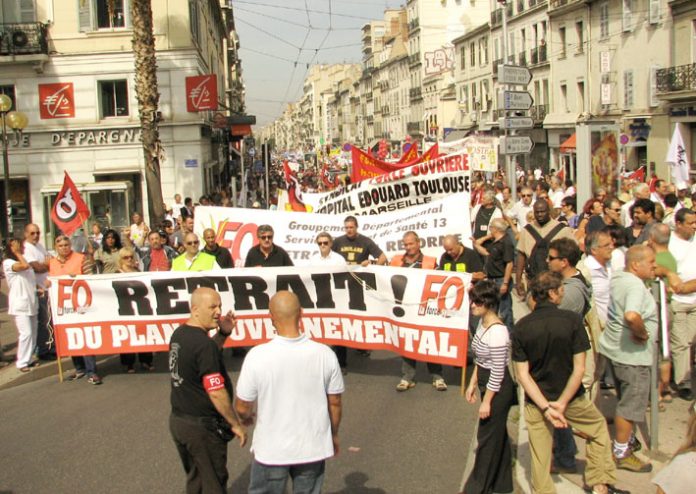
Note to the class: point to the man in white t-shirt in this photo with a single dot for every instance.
(325, 256)
(518, 213)
(176, 208)
(682, 245)
(296, 384)
(37, 256)
(557, 193)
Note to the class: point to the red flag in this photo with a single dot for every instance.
(326, 178)
(410, 155)
(292, 184)
(69, 211)
(561, 174)
(638, 175)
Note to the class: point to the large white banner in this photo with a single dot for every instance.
(296, 232)
(417, 313)
(481, 150)
(404, 188)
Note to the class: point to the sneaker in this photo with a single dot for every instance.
(405, 385)
(634, 444)
(686, 394)
(94, 379)
(632, 463)
(76, 375)
(440, 384)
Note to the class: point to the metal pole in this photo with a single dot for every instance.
(7, 233)
(509, 162)
(267, 167)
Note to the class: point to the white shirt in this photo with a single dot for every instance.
(684, 252)
(556, 197)
(22, 290)
(333, 259)
(176, 210)
(626, 219)
(519, 212)
(36, 253)
(289, 379)
(618, 259)
(601, 278)
(570, 191)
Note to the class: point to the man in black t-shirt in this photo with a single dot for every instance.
(203, 419)
(266, 254)
(461, 259)
(222, 255)
(548, 348)
(357, 248)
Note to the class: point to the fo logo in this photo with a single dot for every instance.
(65, 207)
(237, 237)
(74, 296)
(438, 288)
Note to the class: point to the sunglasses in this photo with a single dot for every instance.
(193, 243)
(325, 242)
(126, 257)
(553, 258)
(266, 237)
(525, 195)
(34, 233)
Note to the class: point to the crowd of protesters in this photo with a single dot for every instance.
(585, 276)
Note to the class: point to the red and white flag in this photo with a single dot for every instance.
(69, 211)
(677, 158)
(292, 185)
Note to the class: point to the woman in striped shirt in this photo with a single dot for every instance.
(492, 470)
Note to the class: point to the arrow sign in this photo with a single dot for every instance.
(512, 74)
(516, 123)
(516, 145)
(514, 100)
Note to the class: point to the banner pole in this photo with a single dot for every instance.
(462, 391)
(60, 369)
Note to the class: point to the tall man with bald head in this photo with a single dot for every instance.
(628, 343)
(203, 418)
(295, 384)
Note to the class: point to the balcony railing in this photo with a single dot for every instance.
(415, 93)
(414, 59)
(674, 79)
(495, 66)
(385, 110)
(23, 39)
(538, 112)
(522, 58)
(413, 25)
(555, 4)
(538, 55)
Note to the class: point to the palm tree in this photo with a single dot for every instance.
(148, 100)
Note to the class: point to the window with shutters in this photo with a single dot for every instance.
(579, 32)
(564, 98)
(113, 98)
(627, 15)
(652, 95)
(462, 57)
(9, 91)
(193, 19)
(472, 53)
(464, 98)
(562, 42)
(103, 14)
(628, 89)
(604, 20)
(654, 11)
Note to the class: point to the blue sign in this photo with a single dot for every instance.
(191, 163)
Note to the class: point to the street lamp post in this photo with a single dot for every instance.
(16, 121)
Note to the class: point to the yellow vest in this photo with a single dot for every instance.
(202, 262)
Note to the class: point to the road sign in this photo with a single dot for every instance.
(515, 123)
(512, 74)
(514, 100)
(516, 145)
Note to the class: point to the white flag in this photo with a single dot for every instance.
(676, 157)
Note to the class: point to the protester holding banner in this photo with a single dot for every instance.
(492, 470)
(23, 303)
(357, 248)
(71, 263)
(222, 256)
(459, 258)
(203, 419)
(414, 258)
(37, 256)
(296, 385)
(193, 259)
(266, 254)
(325, 256)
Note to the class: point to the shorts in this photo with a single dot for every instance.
(633, 387)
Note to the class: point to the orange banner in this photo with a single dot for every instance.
(365, 166)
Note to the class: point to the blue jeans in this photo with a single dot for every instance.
(505, 307)
(564, 448)
(86, 364)
(307, 478)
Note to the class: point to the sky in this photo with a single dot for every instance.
(280, 39)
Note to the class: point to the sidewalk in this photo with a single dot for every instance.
(671, 431)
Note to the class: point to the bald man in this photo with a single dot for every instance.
(296, 385)
(203, 418)
(194, 259)
(628, 343)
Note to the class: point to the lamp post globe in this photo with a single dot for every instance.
(5, 103)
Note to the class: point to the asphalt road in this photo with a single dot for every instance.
(114, 438)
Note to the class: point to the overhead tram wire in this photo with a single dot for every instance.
(313, 11)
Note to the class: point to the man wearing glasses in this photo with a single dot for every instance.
(194, 259)
(37, 257)
(266, 254)
(325, 256)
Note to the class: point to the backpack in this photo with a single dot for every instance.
(536, 262)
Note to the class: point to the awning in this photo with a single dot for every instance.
(240, 130)
(455, 135)
(560, 120)
(568, 146)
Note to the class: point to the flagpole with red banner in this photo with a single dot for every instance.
(68, 213)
